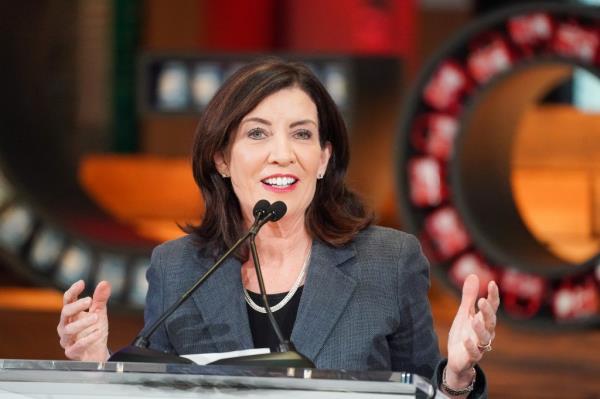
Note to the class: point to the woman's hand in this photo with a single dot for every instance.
(83, 326)
(472, 332)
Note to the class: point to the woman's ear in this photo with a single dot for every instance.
(325, 156)
(221, 164)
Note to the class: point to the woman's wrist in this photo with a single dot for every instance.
(458, 383)
(459, 380)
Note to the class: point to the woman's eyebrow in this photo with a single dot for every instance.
(257, 119)
(303, 122)
(266, 122)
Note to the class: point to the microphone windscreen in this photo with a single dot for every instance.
(277, 209)
(260, 207)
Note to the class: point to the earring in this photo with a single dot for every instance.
(224, 176)
(319, 175)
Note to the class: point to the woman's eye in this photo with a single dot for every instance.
(256, 134)
(303, 134)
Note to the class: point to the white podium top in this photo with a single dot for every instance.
(68, 379)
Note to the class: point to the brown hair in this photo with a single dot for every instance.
(335, 214)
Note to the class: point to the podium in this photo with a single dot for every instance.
(20, 379)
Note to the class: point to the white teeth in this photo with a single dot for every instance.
(280, 181)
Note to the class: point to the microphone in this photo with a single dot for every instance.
(274, 213)
(287, 355)
(260, 209)
(138, 351)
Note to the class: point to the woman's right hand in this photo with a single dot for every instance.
(83, 326)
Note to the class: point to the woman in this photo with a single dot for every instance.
(348, 294)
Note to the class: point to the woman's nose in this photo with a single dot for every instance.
(282, 152)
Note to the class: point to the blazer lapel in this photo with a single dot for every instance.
(325, 294)
(222, 306)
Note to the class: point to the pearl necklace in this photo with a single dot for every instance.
(289, 295)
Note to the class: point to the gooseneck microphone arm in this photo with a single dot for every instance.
(275, 212)
(260, 212)
(141, 340)
(138, 350)
(283, 343)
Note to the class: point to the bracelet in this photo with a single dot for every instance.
(458, 392)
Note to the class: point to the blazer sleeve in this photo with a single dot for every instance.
(414, 347)
(155, 305)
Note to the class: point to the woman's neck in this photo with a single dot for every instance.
(279, 240)
(282, 249)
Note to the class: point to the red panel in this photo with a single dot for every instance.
(351, 26)
(239, 25)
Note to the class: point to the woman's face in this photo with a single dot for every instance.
(275, 153)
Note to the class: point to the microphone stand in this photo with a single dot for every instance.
(283, 343)
(138, 351)
(287, 356)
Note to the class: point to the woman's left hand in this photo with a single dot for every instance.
(472, 331)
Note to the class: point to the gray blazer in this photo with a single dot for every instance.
(364, 306)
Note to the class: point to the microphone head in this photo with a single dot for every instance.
(260, 208)
(277, 210)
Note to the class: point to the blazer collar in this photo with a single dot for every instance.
(326, 292)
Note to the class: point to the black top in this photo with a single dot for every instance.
(263, 334)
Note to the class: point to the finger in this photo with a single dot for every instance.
(489, 316)
(89, 330)
(80, 325)
(73, 292)
(74, 308)
(65, 341)
(74, 351)
(469, 294)
(493, 295)
(483, 335)
(101, 295)
(70, 312)
(475, 354)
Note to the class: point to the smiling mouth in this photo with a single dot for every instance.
(279, 182)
